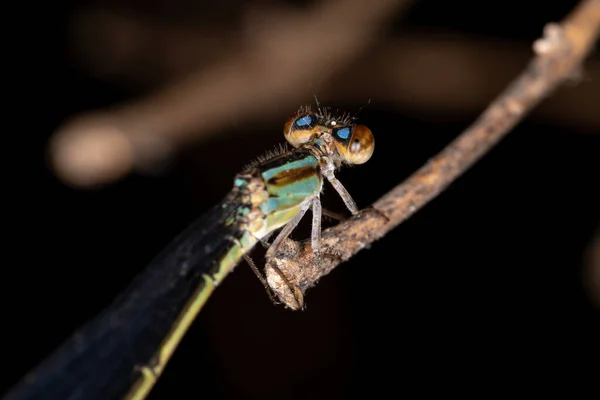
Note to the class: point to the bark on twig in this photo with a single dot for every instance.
(558, 58)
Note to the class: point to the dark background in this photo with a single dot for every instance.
(483, 290)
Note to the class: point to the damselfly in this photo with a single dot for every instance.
(123, 351)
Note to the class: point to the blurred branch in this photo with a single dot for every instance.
(400, 71)
(98, 148)
(286, 56)
(558, 58)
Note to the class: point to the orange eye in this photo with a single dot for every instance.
(301, 128)
(354, 143)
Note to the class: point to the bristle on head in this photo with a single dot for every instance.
(327, 117)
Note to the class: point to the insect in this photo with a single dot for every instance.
(123, 351)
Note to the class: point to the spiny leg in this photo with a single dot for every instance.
(254, 269)
(287, 229)
(341, 191)
(315, 236)
(260, 278)
(265, 240)
(315, 239)
(297, 293)
(345, 195)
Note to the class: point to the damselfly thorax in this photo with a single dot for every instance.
(282, 188)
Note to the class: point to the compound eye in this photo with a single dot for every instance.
(354, 143)
(301, 128)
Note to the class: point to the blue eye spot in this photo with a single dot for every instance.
(304, 121)
(343, 133)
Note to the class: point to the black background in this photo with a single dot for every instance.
(481, 291)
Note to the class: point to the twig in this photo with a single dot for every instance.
(558, 57)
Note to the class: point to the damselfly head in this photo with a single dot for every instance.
(303, 127)
(354, 143)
